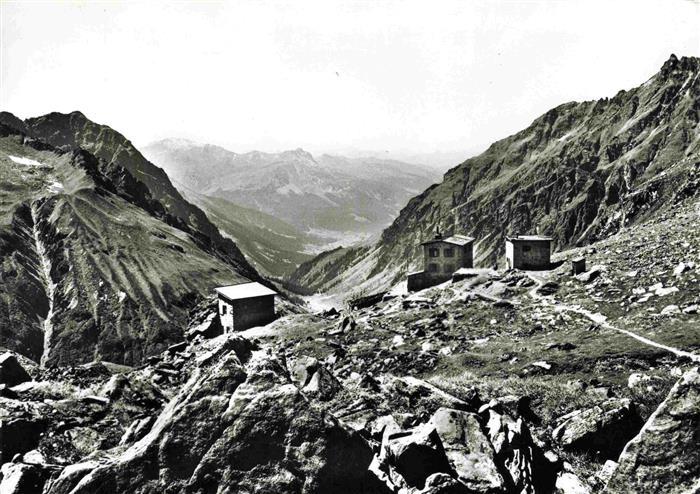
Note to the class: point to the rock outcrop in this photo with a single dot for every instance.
(664, 457)
(603, 429)
(237, 425)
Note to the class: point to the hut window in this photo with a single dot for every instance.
(434, 252)
(433, 268)
(449, 268)
(223, 308)
(449, 252)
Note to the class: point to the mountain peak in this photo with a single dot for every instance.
(298, 154)
(685, 64)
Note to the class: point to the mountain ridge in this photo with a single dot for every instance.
(75, 130)
(93, 266)
(579, 172)
(323, 195)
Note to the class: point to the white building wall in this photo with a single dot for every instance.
(226, 315)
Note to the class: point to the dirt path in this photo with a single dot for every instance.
(601, 319)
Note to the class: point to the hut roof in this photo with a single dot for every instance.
(460, 240)
(244, 290)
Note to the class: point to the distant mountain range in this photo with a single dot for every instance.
(102, 257)
(580, 172)
(328, 198)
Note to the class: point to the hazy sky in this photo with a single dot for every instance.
(328, 75)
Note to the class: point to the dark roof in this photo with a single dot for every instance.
(460, 240)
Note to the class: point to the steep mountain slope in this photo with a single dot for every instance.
(273, 246)
(579, 173)
(74, 130)
(333, 197)
(93, 265)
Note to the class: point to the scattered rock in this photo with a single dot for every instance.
(606, 471)
(6, 392)
(442, 483)
(542, 365)
(566, 346)
(662, 291)
(331, 313)
(670, 309)
(691, 309)
(347, 323)
(548, 288)
(19, 435)
(234, 429)
(209, 328)
(590, 275)
(301, 370)
(680, 269)
(177, 347)
(637, 379)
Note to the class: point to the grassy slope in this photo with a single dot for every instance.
(124, 278)
(274, 247)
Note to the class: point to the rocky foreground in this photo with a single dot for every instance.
(494, 382)
(231, 414)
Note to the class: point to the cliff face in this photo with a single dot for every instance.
(579, 173)
(93, 264)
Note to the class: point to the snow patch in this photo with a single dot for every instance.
(24, 161)
(55, 187)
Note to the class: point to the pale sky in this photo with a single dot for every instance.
(405, 76)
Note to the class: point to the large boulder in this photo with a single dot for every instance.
(19, 432)
(665, 456)
(469, 451)
(525, 467)
(603, 429)
(415, 455)
(408, 392)
(323, 384)
(313, 378)
(22, 478)
(237, 425)
(569, 483)
(448, 454)
(11, 372)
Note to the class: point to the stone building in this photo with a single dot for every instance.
(531, 252)
(441, 258)
(245, 305)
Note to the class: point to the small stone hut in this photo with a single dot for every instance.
(245, 305)
(441, 258)
(531, 252)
